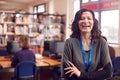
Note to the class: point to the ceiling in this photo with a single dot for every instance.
(18, 5)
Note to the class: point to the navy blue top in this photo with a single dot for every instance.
(23, 55)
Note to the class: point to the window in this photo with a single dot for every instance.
(107, 12)
(96, 15)
(85, 1)
(110, 25)
(76, 5)
(94, 0)
(40, 8)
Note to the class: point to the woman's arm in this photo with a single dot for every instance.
(98, 75)
(103, 73)
(105, 62)
(14, 60)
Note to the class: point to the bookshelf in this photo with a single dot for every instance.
(45, 27)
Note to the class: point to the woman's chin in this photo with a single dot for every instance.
(85, 31)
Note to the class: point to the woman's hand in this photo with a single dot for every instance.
(72, 70)
(100, 69)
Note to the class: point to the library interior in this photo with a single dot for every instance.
(47, 25)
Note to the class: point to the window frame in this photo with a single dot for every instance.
(37, 6)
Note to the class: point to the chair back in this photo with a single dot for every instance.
(3, 52)
(25, 70)
(116, 66)
(116, 63)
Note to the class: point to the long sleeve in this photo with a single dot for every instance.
(14, 60)
(67, 55)
(98, 75)
(101, 59)
(105, 63)
(23, 55)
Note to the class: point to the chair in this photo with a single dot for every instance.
(25, 70)
(3, 52)
(116, 66)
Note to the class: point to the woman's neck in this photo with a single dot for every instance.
(85, 36)
(86, 39)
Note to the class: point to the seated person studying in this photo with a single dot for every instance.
(24, 54)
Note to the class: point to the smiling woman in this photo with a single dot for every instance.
(86, 22)
(86, 51)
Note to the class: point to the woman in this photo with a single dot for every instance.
(25, 54)
(86, 53)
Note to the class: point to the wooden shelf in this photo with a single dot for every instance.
(46, 28)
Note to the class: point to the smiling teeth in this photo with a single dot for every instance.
(84, 25)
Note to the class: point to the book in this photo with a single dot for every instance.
(19, 30)
(10, 28)
(1, 29)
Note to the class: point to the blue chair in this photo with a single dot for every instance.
(116, 66)
(26, 70)
(3, 52)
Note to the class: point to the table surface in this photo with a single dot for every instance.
(41, 61)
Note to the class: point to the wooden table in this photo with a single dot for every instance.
(43, 61)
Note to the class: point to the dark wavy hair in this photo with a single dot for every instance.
(95, 33)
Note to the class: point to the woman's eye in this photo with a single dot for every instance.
(89, 18)
(82, 18)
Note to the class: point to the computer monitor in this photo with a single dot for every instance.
(12, 47)
(59, 47)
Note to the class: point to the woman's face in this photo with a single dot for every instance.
(86, 23)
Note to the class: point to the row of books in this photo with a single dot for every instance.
(37, 40)
(43, 19)
(23, 29)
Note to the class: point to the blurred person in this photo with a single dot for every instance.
(24, 54)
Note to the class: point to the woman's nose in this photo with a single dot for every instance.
(85, 20)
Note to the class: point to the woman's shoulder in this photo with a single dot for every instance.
(29, 50)
(101, 41)
(23, 50)
(72, 39)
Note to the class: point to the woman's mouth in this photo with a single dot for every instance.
(85, 25)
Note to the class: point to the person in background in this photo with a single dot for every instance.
(24, 54)
(40, 41)
(86, 54)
